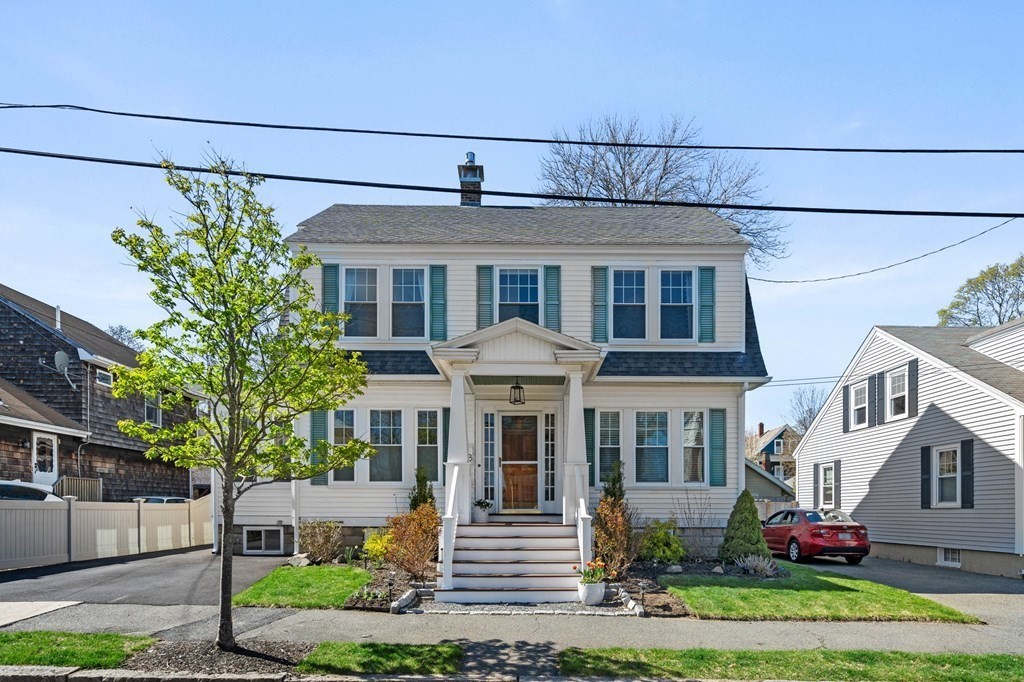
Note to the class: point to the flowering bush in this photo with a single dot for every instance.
(593, 572)
(376, 546)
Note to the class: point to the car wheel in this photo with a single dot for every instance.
(793, 550)
(854, 560)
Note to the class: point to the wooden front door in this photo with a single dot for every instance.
(520, 438)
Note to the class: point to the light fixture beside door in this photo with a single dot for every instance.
(516, 394)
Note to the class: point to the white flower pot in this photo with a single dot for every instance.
(592, 594)
(480, 515)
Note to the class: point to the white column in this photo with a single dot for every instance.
(575, 447)
(458, 448)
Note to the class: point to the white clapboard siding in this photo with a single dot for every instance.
(1005, 347)
(881, 465)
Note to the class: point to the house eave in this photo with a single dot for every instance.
(44, 426)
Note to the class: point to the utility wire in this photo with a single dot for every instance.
(503, 138)
(524, 195)
(884, 267)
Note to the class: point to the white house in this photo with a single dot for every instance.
(628, 333)
(921, 440)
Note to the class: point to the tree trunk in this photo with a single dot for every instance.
(226, 629)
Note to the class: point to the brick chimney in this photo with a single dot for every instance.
(470, 178)
(760, 429)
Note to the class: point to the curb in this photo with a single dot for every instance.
(33, 673)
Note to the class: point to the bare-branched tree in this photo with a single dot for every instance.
(804, 405)
(630, 172)
(127, 337)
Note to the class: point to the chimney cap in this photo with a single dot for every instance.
(470, 158)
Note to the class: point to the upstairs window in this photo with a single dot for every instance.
(104, 378)
(859, 405)
(518, 294)
(361, 302)
(780, 445)
(897, 402)
(408, 307)
(629, 310)
(677, 304)
(153, 412)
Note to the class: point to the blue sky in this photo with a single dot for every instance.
(852, 74)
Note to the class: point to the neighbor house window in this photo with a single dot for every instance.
(153, 412)
(386, 439)
(609, 444)
(518, 294)
(693, 447)
(897, 403)
(946, 473)
(779, 446)
(828, 485)
(859, 405)
(104, 378)
(361, 301)
(629, 310)
(262, 540)
(652, 447)
(344, 431)
(676, 304)
(408, 309)
(427, 439)
(777, 471)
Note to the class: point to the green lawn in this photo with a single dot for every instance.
(814, 664)
(68, 648)
(309, 587)
(348, 658)
(805, 595)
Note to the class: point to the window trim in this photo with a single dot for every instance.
(853, 405)
(779, 472)
(821, 486)
(403, 445)
(597, 445)
(936, 480)
(245, 541)
(682, 450)
(496, 293)
(940, 557)
(159, 411)
(439, 445)
(342, 274)
(668, 447)
(612, 269)
(110, 378)
(331, 480)
(889, 395)
(780, 446)
(391, 303)
(693, 304)
(55, 455)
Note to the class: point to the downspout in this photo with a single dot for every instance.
(741, 477)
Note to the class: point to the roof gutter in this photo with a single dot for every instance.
(44, 426)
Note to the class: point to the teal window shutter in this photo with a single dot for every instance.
(588, 430)
(484, 296)
(716, 443)
(553, 297)
(706, 312)
(599, 303)
(446, 419)
(329, 292)
(317, 433)
(438, 303)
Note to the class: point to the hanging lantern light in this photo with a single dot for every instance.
(516, 394)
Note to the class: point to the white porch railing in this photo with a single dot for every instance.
(584, 532)
(449, 524)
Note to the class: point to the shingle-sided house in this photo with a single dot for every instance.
(515, 353)
(83, 441)
(921, 440)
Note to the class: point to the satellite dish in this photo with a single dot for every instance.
(60, 361)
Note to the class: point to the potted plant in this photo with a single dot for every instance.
(592, 584)
(480, 510)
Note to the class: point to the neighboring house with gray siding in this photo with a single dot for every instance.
(921, 440)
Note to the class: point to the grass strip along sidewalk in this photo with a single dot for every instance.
(68, 648)
(348, 658)
(806, 595)
(309, 587)
(814, 664)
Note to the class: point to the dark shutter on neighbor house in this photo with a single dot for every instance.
(588, 430)
(716, 447)
(967, 473)
(553, 297)
(438, 303)
(446, 419)
(329, 288)
(872, 399)
(879, 398)
(837, 480)
(484, 296)
(926, 477)
(817, 486)
(912, 388)
(599, 304)
(846, 411)
(317, 433)
(706, 304)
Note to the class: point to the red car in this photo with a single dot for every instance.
(803, 533)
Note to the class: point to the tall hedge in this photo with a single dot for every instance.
(743, 532)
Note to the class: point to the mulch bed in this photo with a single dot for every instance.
(375, 595)
(251, 656)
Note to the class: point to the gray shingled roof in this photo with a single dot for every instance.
(525, 225)
(17, 404)
(947, 344)
(398, 362)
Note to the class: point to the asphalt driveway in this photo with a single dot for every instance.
(166, 578)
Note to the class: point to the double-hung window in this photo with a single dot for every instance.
(609, 444)
(652, 447)
(408, 307)
(828, 485)
(344, 431)
(859, 405)
(154, 415)
(361, 302)
(897, 402)
(946, 474)
(629, 309)
(386, 439)
(693, 447)
(519, 294)
(427, 440)
(780, 445)
(677, 304)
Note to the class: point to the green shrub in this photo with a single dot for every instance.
(743, 532)
(422, 492)
(323, 541)
(613, 487)
(661, 543)
(376, 545)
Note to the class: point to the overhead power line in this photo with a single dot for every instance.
(526, 195)
(506, 138)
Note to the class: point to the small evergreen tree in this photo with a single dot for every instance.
(613, 487)
(743, 532)
(422, 492)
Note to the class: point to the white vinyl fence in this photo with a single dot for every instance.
(42, 533)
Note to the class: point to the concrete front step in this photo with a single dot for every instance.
(550, 530)
(515, 542)
(513, 567)
(507, 596)
(516, 554)
(535, 580)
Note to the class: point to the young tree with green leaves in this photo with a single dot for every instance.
(994, 296)
(243, 329)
